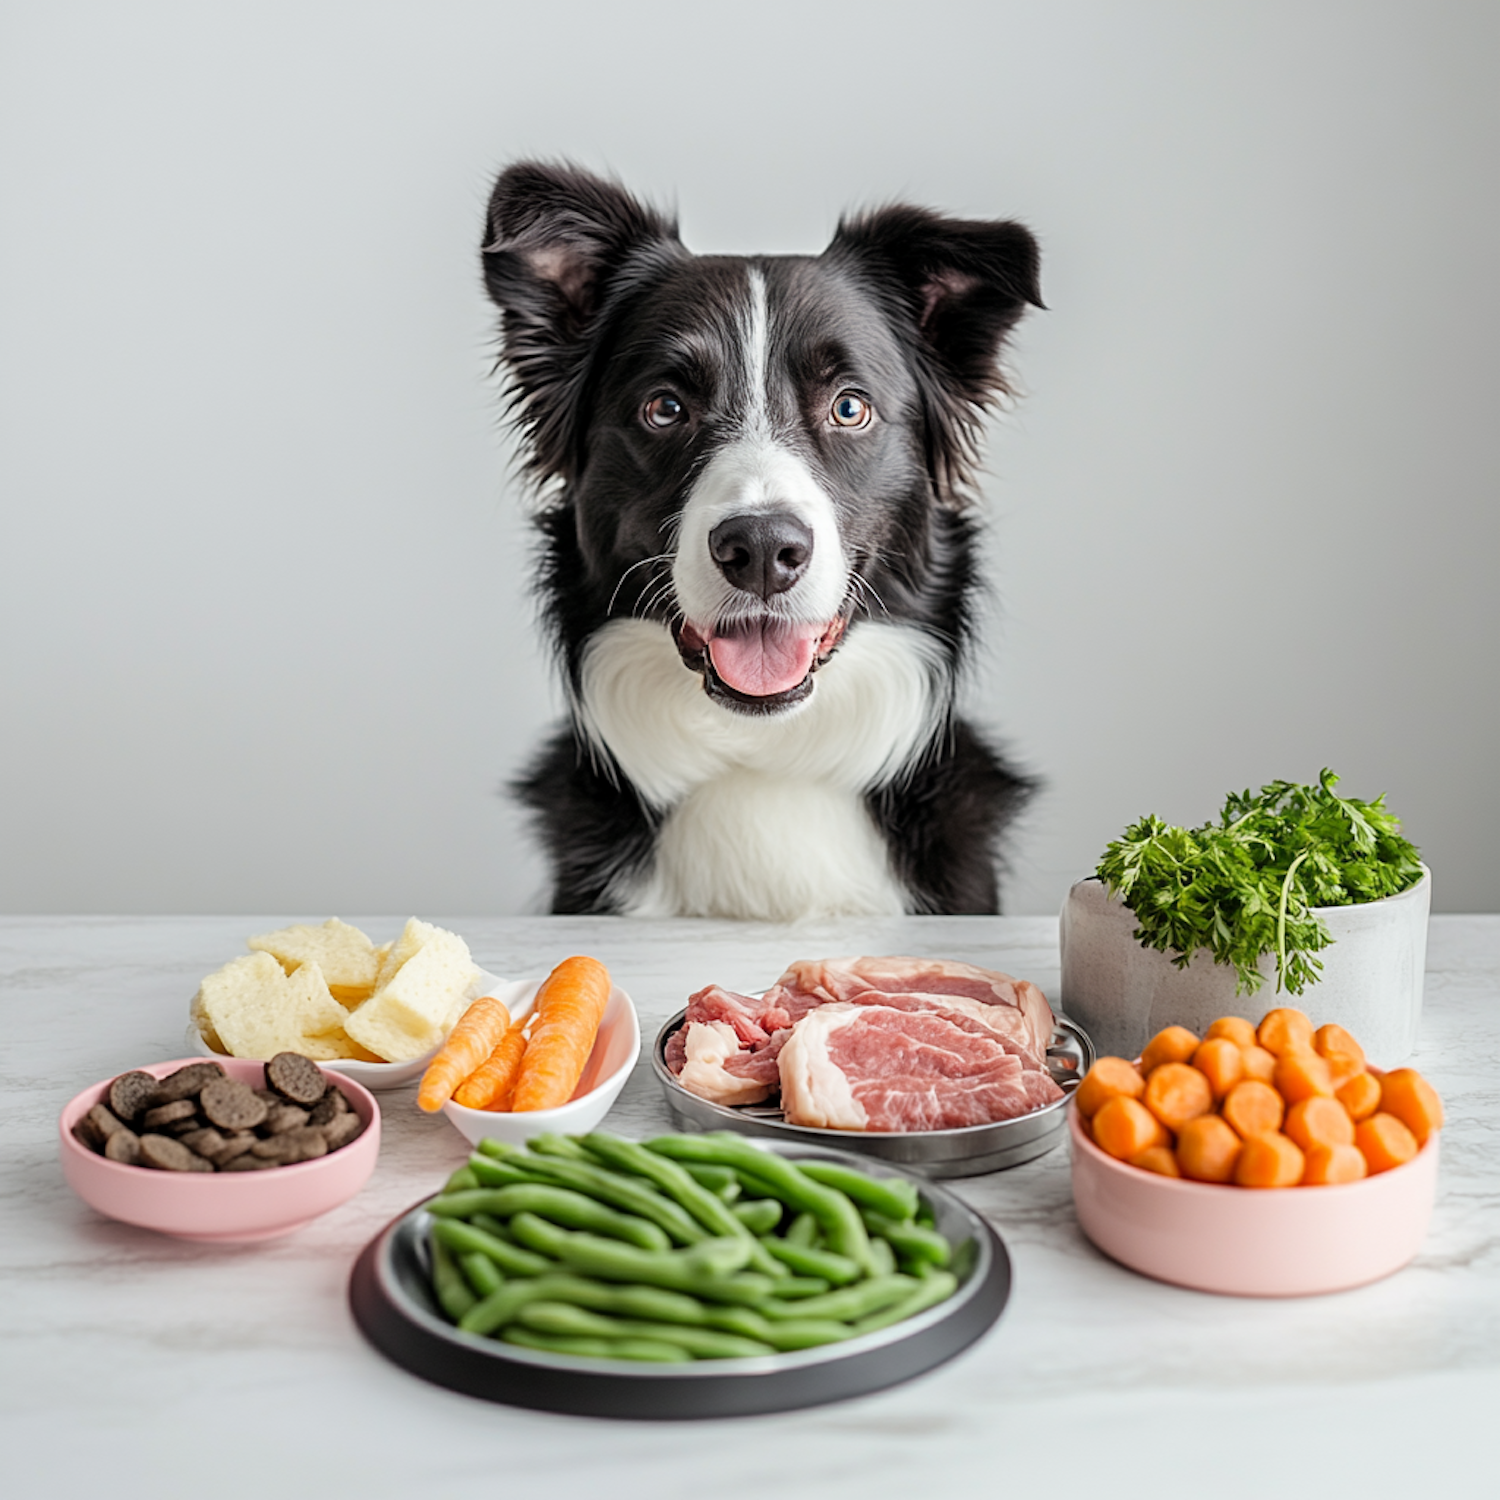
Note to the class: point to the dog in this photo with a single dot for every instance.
(757, 551)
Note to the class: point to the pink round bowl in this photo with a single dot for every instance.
(220, 1207)
(1249, 1242)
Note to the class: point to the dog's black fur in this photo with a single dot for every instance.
(598, 298)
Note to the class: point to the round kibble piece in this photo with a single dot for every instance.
(296, 1078)
(130, 1093)
(124, 1146)
(188, 1082)
(342, 1129)
(284, 1117)
(96, 1127)
(169, 1114)
(167, 1155)
(232, 1105)
(234, 1145)
(248, 1163)
(329, 1107)
(206, 1142)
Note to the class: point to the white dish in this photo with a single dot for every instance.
(516, 993)
(615, 1050)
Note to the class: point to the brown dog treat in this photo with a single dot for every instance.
(167, 1155)
(169, 1114)
(206, 1141)
(296, 1078)
(248, 1163)
(124, 1146)
(232, 1105)
(284, 1117)
(234, 1145)
(96, 1127)
(342, 1129)
(130, 1093)
(188, 1082)
(302, 1144)
(180, 1128)
(329, 1107)
(271, 1097)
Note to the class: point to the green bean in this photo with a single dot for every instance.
(759, 1215)
(491, 1225)
(845, 1305)
(573, 1211)
(837, 1269)
(894, 1197)
(910, 1241)
(710, 1211)
(882, 1254)
(549, 1143)
(481, 1272)
(721, 1181)
(804, 1232)
(646, 1350)
(562, 1318)
(501, 1306)
(448, 1284)
(463, 1178)
(840, 1220)
(498, 1173)
(512, 1259)
(933, 1288)
(619, 1191)
(805, 1333)
(797, 1288)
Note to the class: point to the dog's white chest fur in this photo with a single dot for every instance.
(763, 816)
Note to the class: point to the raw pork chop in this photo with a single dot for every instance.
(872, 1067)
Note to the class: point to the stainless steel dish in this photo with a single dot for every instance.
(391, 1298)
(965, 1152)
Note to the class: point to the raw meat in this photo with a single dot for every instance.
(874, 1067)
(707, 1047)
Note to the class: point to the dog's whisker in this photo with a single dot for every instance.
(644, 562)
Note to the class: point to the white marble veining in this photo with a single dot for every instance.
(136, 1365)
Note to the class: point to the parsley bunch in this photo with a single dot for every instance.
(1247, 884)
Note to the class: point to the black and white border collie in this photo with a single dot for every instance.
(758, 552)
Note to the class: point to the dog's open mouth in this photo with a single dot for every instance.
(759, 666)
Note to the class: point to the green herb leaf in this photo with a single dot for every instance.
(1247, 885)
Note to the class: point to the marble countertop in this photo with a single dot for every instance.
(137, 1365)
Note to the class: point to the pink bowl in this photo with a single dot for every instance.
(1277, 1242)
(225, 1207)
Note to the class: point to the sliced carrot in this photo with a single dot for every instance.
(1384, 1142)
(1207, 1149)
(1330, 1039)
(1109, 1077)
(1342, 1066)
(1220, 1061)
(1269, 1161)
(1407, 1095)
(1259, 1063)
(1360, 1096)
(1176, 1044)
(569, 1008)
(1319, 1122)
(476, 1035)
(1302, 1074)
(1176, 1093)
(1253, 1108)
(1327, 1165)
(1158, 1159)
(1125, 1127)
(490, 1085)
(1283, 1029)
(1236, 1028)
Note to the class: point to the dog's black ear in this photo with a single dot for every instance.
(556, 238)
(958, 286)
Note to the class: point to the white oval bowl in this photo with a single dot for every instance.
(516, 993)
(616, 1049)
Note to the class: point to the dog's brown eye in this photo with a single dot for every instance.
(664, 411)
(850, 410)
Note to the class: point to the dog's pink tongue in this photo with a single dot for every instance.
(765, 659)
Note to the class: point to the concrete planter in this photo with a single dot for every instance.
(1122, 994)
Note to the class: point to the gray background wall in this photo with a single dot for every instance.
(264, 639)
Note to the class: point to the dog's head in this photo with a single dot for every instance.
(751, 450)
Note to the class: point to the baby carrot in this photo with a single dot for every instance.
(569, 1007)
(490, 1084)
(477, 1034)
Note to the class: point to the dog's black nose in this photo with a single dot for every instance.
(763, 553)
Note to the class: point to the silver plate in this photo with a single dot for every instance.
(391, 1298)
(965, 1152)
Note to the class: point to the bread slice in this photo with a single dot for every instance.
(413, 1010)
(348, 959)
(255, 1009)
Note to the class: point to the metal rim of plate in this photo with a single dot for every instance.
(965, 1152)
(391, 1299)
